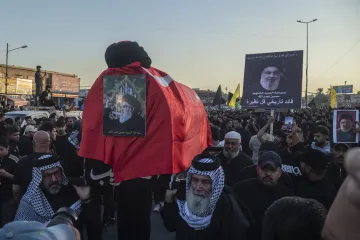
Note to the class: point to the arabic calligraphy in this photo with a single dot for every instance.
(269, 102)
(272, 55)
(269, 93)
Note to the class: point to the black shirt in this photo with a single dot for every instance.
(7, 163)
(25, 146)
(336, 174)
(14, 149)
(258, 197)
(66, 197)
(38, 79)
(233, 167)
(60, 145)
(322, 190)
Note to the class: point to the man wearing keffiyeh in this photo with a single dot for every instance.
(48, 191)
(210, 210)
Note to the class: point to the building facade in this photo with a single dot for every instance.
(63, 85)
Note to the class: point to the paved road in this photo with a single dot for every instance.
(158, 231)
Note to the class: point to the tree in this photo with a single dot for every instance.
(319, 91)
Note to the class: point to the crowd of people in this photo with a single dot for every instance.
(261, 178)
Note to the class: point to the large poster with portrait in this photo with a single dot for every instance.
(273, 80)
(344, 126)
(124, 101)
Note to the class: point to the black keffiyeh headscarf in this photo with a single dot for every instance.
(34, 206)
(206, 167)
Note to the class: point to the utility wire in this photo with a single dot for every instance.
(341, 58)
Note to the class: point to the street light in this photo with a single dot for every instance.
(307, 54)
(6, 65)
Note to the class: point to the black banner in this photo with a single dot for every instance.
(273, 80)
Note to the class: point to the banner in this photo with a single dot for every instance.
(218, 99)
(343, 89)
(65, 84)
(344, 125)
(24, 86)
(348, 100)
(235, 97)
(273, 80)
(17, 86)
(332, 98)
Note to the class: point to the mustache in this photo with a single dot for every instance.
(54, 184)
(267, 178)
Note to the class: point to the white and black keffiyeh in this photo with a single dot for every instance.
(74, 139)
(218, 178)
(34, 206)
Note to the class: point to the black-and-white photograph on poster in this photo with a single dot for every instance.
(273, 80)
(124, 104)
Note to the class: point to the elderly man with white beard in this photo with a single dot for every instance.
(210, 209)
(127, 120)
(233, 160)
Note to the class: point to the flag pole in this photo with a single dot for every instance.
(272, 113)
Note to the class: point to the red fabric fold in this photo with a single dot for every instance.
(177, 128)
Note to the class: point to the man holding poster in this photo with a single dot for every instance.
(273, 80)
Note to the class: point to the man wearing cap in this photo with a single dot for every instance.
(346, 132)
(209, 210)
(321, 143)
(26, 141)
(128, 121)
(313, 183)
(233, 160)
(259, 193)
(336, 172)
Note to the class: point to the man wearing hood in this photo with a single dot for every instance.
(209, 210)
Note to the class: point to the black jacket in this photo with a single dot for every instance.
(230, 221)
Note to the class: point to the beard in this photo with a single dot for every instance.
(53, 189)
(345, 129)
(125, 117)
(230, 154)
(269, 85)
(198, 205)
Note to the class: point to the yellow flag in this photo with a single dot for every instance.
(234, 97)
(332, 97)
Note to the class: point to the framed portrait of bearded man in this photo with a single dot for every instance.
(124, 105)
(344, 126)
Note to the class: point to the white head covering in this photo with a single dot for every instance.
(233, 135)
(218, 180)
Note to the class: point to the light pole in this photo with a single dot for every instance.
(6, 65)
(307, 55)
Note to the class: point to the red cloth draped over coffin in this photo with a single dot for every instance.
(177, 128)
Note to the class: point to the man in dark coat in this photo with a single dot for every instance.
(210, 210)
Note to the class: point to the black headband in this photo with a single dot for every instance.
(206, 166)
(47, 161)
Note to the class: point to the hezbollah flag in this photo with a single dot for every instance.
(332, 97)
(235, 97)
(177, 128)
